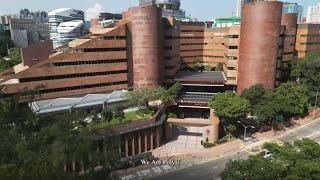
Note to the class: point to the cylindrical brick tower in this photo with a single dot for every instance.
(146, 45)
(290, 20)
(259, 44)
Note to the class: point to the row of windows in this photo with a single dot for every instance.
(192, 30)
(193, 44)
(78, 63)
(218, 57)
(232, 68)
(233, 47)
(310, 43)
(82, 87)
(65, 76)
(190, 50)
(103, 49)
(191, 37)
(114, 37)
(231, 57)
(310, 35)
(232, 36)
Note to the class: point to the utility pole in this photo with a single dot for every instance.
(315, 103)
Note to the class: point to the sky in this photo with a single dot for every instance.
(200, 9)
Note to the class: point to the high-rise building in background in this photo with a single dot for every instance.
(313, 14)
(68, 31)
(293, 8)
(170, 8)
(59, 28)
(239, 6)
(227, 21)
(146, 2)
(23, 31)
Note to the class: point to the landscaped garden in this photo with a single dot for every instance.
(145, 102)
(109, 117)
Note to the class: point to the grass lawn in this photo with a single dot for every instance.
(128, 117)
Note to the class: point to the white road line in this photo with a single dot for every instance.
(157, 170)
(313, 134)
(144, 173)
(166, 167)
(128, 177)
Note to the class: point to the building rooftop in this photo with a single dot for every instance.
(201, 78)
(66, 104)
(54, 12)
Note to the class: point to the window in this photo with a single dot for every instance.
(103, 49)
(67, 76)
(79, 63)
(233, 47)
(82, 87)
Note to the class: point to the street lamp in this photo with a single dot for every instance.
(245, 130)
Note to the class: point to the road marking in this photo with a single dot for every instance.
(144, 173)
(128, 177)
(313, 134)
(157, 170)
(166, 167)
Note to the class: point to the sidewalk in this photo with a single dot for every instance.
(191, 158)
(260, 138)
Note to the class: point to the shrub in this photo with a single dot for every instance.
(119, 114)
(107, 114)
(208, 145)
(172, 115)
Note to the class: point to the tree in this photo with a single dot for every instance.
(5, 43)
(39, 147)
(107, 114)
(306, 71)
(198, 66)
(219, 67)
(298, 161)
(172, 93)
(15, 58)
(229, 106)
(292, 99)
(119, 114)
(254, 94)
(267, 108)
(142, 96)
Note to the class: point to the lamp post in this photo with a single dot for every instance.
(315, 103)
(245, 130)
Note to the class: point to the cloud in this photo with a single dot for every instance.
(93, 12)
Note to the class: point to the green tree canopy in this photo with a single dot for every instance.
(267, 108)
(229, 106)
(298, 161)
(306, 71)
(39, 147)
(254, 94)
(292, 99)
(4, 44)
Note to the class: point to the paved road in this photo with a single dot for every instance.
(212, 169)
(312, 131)
(206, 171)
